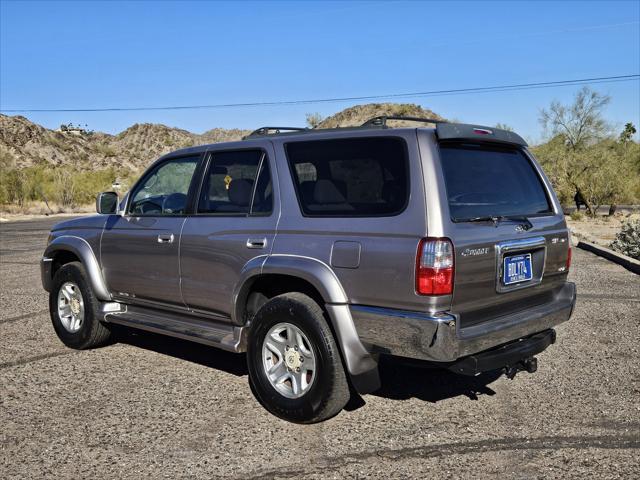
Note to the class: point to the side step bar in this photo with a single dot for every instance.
(221, 335)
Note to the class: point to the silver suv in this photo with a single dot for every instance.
(317, 251)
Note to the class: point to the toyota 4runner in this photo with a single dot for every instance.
(317, 251)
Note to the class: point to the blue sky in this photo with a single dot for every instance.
(124, 54)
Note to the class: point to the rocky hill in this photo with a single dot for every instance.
(24, 143)
(358, 114)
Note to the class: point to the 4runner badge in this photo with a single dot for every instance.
(475, 251)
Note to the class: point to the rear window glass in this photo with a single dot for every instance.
(350, 177)
(491, 182)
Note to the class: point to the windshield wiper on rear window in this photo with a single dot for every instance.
(486, 218)
(496, 219)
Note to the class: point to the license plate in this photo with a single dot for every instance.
(517, 268)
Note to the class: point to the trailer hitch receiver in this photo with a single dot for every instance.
(529, 364)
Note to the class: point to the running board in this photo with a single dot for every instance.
(221, 335)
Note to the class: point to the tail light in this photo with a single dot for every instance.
(568, 257)
(434, 267)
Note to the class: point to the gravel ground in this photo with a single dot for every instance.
(161, 408)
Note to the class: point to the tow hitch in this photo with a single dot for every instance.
(528, 365)
(511, 358)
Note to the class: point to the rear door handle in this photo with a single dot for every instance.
(256, 242)
(165, 238)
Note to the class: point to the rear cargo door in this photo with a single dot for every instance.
(510, 244)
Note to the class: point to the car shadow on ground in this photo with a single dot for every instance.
(400, 378)
(233, 363)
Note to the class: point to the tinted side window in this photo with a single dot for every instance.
(230, 184)
(163, 191)
(491, 182)
(356, 177)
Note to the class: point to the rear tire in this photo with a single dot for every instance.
(291, 339)
(75, 311)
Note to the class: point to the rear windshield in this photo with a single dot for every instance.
(356, 177)
(491, 182)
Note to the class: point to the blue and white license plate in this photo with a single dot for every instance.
(517, 268)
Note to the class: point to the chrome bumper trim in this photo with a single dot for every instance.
(45, 272)
(437, 337)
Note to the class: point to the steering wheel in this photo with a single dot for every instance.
(174, 203)
(147, 205)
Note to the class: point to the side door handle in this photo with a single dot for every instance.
(165, 238)
(256, 242)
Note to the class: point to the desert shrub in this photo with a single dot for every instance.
(65, 186)
(7, 160)
(576, 216)
(105, 149)
(12, 186)
(627, 239)
(314, 119)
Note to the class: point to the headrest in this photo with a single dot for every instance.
(240, 192)
(325, 191)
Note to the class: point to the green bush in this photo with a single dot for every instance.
(576, 216)
(65, 186)
(627, 240)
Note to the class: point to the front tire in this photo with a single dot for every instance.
(74, 309)
(295, 368)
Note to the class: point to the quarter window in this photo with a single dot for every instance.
(163, 191)
(361, 177)
(237, 182)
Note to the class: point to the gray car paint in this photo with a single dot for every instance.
(135, 264)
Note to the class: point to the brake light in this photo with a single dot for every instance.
(568, 257)
(434, 267)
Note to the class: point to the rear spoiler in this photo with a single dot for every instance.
(475, 133)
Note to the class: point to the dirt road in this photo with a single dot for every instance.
(161, 408)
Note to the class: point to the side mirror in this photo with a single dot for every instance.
(107, 203)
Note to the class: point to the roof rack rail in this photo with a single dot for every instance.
(381, 121)
(273, 130)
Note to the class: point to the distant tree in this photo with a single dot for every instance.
(603, 173)
(627, 134)
(504, 126)
(314, 119)
(580, 123)
(577, 166)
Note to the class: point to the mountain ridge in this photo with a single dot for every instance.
(24, 143)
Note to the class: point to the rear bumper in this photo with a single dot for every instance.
(438, 337)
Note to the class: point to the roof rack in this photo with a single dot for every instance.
(273, 131)
(381, 121)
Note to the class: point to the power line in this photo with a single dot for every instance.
(433, 93)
